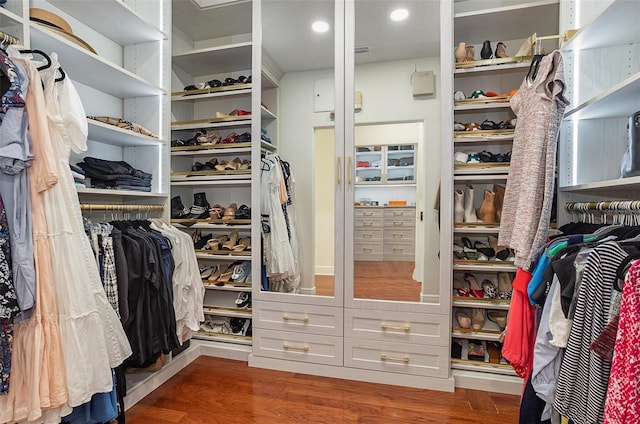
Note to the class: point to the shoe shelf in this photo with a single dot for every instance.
(211, 150)
(226, 312)
(598, 31)
(227, 338)
(621, 100)
(484, 168)
(209, 93)
(92, 70)
(267, 114)
(481, 179)
(124, 25)
(473, 228)
(492, 65)
(481, 334)
(196, 124)
(212, 178)
(207, 226)
(115, 136)
(507, 22)
(191, 182)
(480, 302)
(483, 266)
(489, 104)
(241, 173)
(215, 60)
(213, 223)
(128, 193)
(471, 365)
(232, 287)
(201, 255)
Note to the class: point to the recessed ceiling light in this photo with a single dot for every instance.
(320, 26)
(399, 15)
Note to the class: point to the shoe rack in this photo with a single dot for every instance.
(206, 49)
(594, 134)
(471, 203)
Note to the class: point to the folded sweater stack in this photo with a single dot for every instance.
(78, 176)
(118, 175)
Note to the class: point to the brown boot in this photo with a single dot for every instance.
(487, 211)
(499, 191)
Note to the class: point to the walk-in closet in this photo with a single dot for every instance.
(394, 211)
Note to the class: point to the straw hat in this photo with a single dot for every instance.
(57, 24)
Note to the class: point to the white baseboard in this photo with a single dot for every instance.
(488, 382)
(323, 270)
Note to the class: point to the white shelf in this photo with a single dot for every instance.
(378, 184)
(484, 179)
(486, 304)
(91, 69)
(210, 179)
(478, 170)
(222, 257)
(400, 166)
(506, 67)
(227, 287)
(212, 183)
(209, 152)
(476, 229)
(215, 60)
(267, 146)
(608, 186)
(122, 25)
(486, 367)
(240, 313)
(475, 335)
(507, 23)
(483, 139)
(6, 13)
(209, 96)
(266, 113)
(621, 100)
(230, 124)
(128, 193)
(601, 31)
(482, 106)
(227, 338)
(110, 134)
(491, 266)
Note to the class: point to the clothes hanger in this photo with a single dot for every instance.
(41, 53)
(535, 62)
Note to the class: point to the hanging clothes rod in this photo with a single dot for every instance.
(120, 208)
(9, 39)
(564, 36)
(614, 206)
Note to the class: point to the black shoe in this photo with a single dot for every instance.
(178, 210)
(200, 208)
(200, 244)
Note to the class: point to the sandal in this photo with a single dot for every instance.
(484, 249)
(469, 251)
(243, 212)
(216, 212)
(232, 242)
(504, 286)
(475, 289)
(462, 288)
(499, 317)
(463, 319)
(477, 318)
(230, 212)
(243, 244)
(501, 252)
(489, 289)
(230, 139)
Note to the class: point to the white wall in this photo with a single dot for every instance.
(387, 97)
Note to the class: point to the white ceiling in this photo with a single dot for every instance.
(290, 42)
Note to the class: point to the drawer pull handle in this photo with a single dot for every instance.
(367, 213)
(395, 327)
(399, 223)
(367, 249)
(404, 359)
(367, 223)
(398, 213)
(288, 318)
(367, 235)
(398, 235)
(397, 249)
(287, 346)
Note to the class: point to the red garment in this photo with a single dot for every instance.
(623, 393)
(520, 334)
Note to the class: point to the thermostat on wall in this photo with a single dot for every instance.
(423, 83)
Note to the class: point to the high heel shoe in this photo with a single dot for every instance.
(486, 51)
(477, 318)
(230, 212)
(505, 287)
(489, 289)
(463, 319)
(232, 242)
(224, 275)
(501, 50)
(501, 252)
(475, 289)
(471, 53)
(499, 317)
(484, 249)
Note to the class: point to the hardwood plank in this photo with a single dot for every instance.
(213, 390)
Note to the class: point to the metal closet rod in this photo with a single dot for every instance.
(610, 205)
(9, 39)
(119, 208)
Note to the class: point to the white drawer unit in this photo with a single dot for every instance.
(312, 319)
(415, 359)
(408, 327)
(299, 347)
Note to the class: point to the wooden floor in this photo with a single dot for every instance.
(214, 390)
(377, 280)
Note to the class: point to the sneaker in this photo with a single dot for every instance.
(243, 301)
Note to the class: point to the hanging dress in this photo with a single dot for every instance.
(94, 340)
(526, 210)
(39, 381)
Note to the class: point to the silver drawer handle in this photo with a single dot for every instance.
(398, 213)
(367, 223)
(397, 249)
(286, 346)
(404, 359)
(367, 235)
(400, 223)
(367, 213)
(398, 235)
(367, 249)
(288, 318)
(395, 327)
